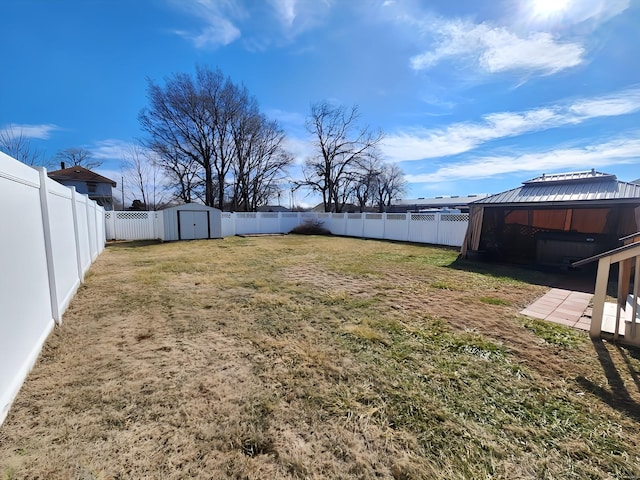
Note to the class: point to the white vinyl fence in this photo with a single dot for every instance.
(50, 236)
(433, 228)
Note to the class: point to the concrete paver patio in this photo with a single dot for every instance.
(565, 307)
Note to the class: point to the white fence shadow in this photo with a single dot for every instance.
(432, 228)
(50, 237)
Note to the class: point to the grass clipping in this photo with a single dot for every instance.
(317, 357)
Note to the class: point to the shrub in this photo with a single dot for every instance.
(311, 227)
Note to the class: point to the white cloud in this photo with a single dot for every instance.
(611, 105)
(218, 17)
(112, 149)
(39, 131)
(300, 148)
(615, 152)
(221, 32)
(589, 13)
(286, 117)
(496, 49)
(285, 10)
(417, 144)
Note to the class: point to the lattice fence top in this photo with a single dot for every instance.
(246, 215)
(269, 215)
(374, 216)
(423, 217)
(107, 215)
(354, 215)
(455, 217)
(132, 215)
(396, 216)
(289, 215)
(324, 215)
(226, 214)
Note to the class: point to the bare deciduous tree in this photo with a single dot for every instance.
(390, 184)
(182, 174)
(186, 119)
(206, 128)
(342, 149)
(16, 145)
(366, 185)
(77, 157)
(144, 177)
(260, 159)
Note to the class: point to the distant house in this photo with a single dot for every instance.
(554, 219)
(436, 203)
(94, 185)
(273, 208)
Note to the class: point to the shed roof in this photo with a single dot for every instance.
(190, 206)
(81, 174)
(567, 187)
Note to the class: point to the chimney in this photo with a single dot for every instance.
(62, 165)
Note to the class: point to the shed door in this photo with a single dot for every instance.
(193, 224)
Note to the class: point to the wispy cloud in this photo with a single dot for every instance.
(112, 149)
(38, 131)
(419, 143)
(218, 18)
(260, 25)
(300, 148)
(285, 11)
(497, 49)
(615, 152)
(587, 14)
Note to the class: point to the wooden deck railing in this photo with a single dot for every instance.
(628, 258)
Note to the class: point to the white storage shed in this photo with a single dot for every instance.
(191, 221)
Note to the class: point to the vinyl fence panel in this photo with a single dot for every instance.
(355, 225)
(228, 224)
(423, 228)
(452, 228)
(373, 225)
(289, 220)
(63, 243)
(43, 245)
(246, 222)
(269, 222)
(396, 227)
(434, 228)
(26, 317)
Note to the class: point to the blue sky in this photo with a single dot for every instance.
(473, 96)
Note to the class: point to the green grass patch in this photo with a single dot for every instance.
(555, 334)
(494, 301)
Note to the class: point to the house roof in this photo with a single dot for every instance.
(567, 187)
(79, 174)
(451, 201)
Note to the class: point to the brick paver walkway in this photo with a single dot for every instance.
(561, 306)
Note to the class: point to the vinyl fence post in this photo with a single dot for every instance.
(384, 224)
(46, 230)
(76, 234)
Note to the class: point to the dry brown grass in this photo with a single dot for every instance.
(316, 357)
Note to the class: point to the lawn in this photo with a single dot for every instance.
(318, 357)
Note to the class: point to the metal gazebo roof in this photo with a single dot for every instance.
(567, 187)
